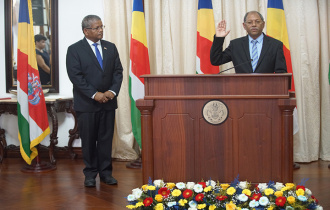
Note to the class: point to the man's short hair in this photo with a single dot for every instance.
(86, 22)
(260, 15)
(39, 37)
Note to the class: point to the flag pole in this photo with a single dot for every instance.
(38, 166)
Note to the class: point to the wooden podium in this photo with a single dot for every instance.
(255, 142)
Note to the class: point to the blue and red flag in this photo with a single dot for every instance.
(33, 124)
(139, 65)
(205, 33)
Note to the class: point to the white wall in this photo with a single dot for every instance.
(70, 16)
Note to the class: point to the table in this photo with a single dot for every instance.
(53, 105)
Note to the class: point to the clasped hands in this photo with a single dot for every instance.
(104, 97)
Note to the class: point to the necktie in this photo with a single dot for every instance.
(254, 54)
(98, 55)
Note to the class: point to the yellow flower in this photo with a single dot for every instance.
(230, 206)
(207, 189)
(130, 207)
(159, 206)
(159, 198)
(284, 189)
(231, 191)
(144, 187)
(270, 208)
(291, 199)
(300, 192)
(278, 193)
(224, 186)
(201, 206)
(269, 191)
(246, 192)
(170, 185)
(289, 185)
(182, 202)
(176, 193)
(151, 187)
(139, 204)
(212, 207)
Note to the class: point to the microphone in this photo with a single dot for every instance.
(236, 66)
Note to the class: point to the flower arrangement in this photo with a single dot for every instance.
(213, 195)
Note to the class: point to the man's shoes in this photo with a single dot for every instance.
(89, 182)
(109, 180)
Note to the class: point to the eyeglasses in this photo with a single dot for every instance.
(257, 22)
(97, 28)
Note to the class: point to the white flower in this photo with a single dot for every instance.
(211, 183)
(190, 185)
(170, 204)
(253, 203)
(193, 204)
(180, 185)
(192, 208)
(137, 193)
(319, 208)
(198, 188)
(302, 198)
(131, 197)
(262, 186)
(158, 183)
(308, 192)
(243, 185)
(242, 197)
(279, 186)
(244, 209)
(263, 201)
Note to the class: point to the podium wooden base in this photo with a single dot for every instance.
(38, 167)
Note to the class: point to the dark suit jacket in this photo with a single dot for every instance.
(88, 78)
(271, 57)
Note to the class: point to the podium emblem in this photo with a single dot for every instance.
(215, 112)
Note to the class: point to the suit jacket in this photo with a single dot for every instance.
(88, 77)
(271, 57)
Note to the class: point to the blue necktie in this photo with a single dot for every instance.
(254, 54)
(98, 55)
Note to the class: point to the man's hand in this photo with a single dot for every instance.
(221, 29)
(101, 97)
(109, 95)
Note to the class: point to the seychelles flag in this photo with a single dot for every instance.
(276, 28)
(205, 33)
(139, 65)
(33, 124)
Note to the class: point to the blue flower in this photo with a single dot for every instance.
(253, 203)
(302, 198)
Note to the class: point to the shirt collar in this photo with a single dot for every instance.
(259, 39)
(90, 42)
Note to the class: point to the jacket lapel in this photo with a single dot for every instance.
(104, 53)
(264, 49)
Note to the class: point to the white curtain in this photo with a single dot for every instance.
(171, 27)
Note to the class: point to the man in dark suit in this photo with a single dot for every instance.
(95, 70)
(265, 53)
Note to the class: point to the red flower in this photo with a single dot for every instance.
(148, 201)
(221, 198)
(300, 187)
(256, 196)
(203, 184)
(280, 201)
(187, 193)
(199, 197)
(313, 197)
(164, 192)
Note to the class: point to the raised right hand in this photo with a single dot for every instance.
(221, 29)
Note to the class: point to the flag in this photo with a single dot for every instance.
(139, 65)
(205, 33)
(276, 28)
(33, 124)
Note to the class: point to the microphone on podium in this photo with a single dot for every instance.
(235, 66)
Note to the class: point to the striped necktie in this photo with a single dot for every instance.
(98, 55)
(254, 54)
